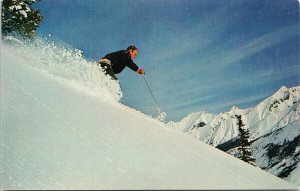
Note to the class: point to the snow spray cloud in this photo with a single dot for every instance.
(68, 66)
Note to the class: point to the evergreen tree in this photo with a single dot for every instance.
(244, 148)
(18, 18)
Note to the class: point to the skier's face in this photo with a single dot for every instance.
(133, 53)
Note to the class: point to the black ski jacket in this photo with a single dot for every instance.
(120, 60)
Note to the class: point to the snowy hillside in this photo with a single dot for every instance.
(274, 127)
(59, 133)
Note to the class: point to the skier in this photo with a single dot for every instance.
(115, 62)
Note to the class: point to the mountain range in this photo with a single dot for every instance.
(274, 129)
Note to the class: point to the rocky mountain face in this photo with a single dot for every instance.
(274, 128)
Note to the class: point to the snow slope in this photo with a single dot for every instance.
(57, 135)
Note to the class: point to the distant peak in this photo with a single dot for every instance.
(234, 108)
(284, 91)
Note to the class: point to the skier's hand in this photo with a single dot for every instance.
(141, 71)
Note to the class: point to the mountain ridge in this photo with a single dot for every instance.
(271, 115)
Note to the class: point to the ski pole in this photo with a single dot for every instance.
(151, 94)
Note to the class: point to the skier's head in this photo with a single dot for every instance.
(133, 51)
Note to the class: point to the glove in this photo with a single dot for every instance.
(140, 71)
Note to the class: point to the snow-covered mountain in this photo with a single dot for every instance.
(274, 129)
(57, 132)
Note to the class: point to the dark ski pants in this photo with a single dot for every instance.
(108, 70)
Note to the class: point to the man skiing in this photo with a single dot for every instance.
(115, 62)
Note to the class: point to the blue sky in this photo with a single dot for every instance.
(198, 55)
